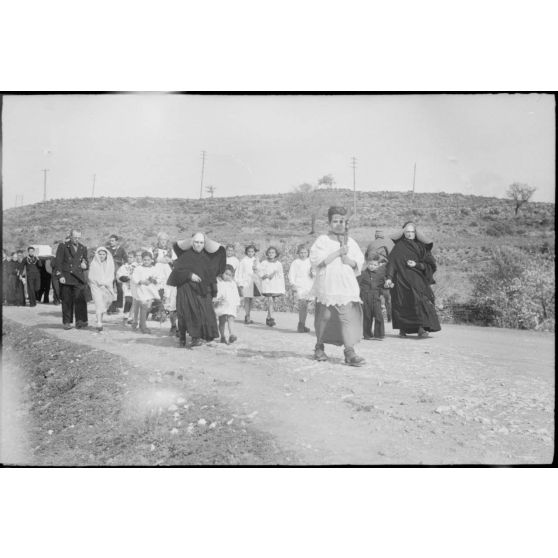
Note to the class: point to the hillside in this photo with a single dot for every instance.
(463, 228)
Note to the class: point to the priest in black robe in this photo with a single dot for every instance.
(199, 262)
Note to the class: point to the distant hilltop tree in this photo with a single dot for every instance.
(520, 194)
(327, 180)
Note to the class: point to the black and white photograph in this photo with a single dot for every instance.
(278, 279)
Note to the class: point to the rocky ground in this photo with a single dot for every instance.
(466, 395)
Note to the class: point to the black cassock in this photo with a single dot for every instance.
(412, 298)
(194, 304)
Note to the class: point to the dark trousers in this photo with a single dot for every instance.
(387, 300)
(372, 310)
(55, 289)
(119, 302)
(73, 301)
(33, 288)
(45, 287)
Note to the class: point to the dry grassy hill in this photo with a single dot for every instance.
(464, 228)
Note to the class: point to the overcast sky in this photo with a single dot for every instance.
(150, 144)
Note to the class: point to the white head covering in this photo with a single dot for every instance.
(102, 272)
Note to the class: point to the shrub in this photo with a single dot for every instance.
(517, 290)
(499, 228)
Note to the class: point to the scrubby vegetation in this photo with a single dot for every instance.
(468, 233)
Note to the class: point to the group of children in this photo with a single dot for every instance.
(143, 278)
(266, 278)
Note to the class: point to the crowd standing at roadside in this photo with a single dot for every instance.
(199, 285)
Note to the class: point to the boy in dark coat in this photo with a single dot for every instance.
(70, 265)
(371, 282)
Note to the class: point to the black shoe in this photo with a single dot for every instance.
(67, 326)
(82, 325)
(224, 340)
(301, 328)
(367, 337)
(232, 338)
(196, 342)
(182, 343)
(247, 320)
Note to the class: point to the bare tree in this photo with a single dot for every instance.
(520, 194)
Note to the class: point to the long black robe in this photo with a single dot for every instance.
(194, 305)
(412, 298)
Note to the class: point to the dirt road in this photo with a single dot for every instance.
(466, 395)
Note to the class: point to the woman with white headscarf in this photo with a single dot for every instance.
(101, 282)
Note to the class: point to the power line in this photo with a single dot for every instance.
(204, 153)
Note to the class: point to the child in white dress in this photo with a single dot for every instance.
(123, 276)
(273, 281)
(301, 278)
(147, 281)
(232, 260)
(226, 303)
(247, 279)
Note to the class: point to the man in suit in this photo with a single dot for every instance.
(69, 266)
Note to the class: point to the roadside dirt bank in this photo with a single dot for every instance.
(466, 395)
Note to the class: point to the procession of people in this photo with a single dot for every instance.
(200, 285)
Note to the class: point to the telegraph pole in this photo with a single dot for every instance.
(354, 165)
(211, 190)
(204, 153)
(93, 188)
(414, 176)
(44, 183)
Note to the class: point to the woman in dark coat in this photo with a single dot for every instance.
(194, 273)
(410, 271)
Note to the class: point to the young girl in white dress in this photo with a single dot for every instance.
(247, 279)
(226, 303)
(273, 281)
(301, 278)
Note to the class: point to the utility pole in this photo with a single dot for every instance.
(211, 190)
(93, 188)
(204, 153)
(354, 165)
(414, 176)
(44, 183)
